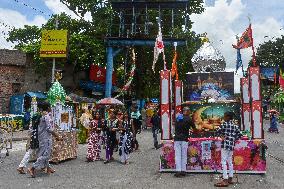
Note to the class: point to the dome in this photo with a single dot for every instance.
(208, 59)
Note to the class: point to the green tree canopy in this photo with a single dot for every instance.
(271, 53)
(86, 42)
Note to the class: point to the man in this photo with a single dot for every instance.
(155, 120)
(45, 133)
(144, 117)
(229, 132)
(182, 127)
(136, 124)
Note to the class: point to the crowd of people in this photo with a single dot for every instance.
(111, 129)
(116, 130)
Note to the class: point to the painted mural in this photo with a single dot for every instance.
(218, 86)
(209, 116)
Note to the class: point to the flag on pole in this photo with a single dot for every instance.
(159, 48)
(281, 79)
(246, 39)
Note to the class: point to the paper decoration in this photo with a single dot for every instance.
(56, 93)
(131, 75)
(208, 59)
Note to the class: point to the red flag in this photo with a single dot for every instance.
(246, 40)
(281, 79)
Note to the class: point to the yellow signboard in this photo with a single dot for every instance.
(53, 44)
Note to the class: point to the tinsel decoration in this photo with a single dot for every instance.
(208, 59)
(56, 93)
(131, 75)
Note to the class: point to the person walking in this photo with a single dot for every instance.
(273, 121)
(33, 143)
(229, 132)
(111, 126)
(45, 133)
(125, 141)
(136, 122)
(155, 121)
(182, 128)
(94, 145)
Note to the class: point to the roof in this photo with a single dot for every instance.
(181, 4)
(12, 57)
(36, 94)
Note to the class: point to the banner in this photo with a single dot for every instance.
(98, 74)
(53, 44)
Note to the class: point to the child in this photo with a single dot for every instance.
(155, 120)
(229, 133)
(110, 127)
(273, 122)
(125, 142)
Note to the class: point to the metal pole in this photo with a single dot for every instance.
(53, 61)
(109, 68)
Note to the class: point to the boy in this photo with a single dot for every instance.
(155, 120)
(229, 132)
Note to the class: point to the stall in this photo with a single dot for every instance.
(82, 103)
(209, 93)
(64, 121)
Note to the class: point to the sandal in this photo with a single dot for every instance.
(50, 171)
(223, 183)
(31, 172)
(230, 180)
(21, 170)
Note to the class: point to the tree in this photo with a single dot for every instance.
(86, 43)
(271, 53)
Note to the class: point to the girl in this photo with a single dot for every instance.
(111, 126)
(125, 142)
(94, 147)
(273, 121)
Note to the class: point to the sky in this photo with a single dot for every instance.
(222, 21)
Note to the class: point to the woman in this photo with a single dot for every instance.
(94, 146)
(125, 142)
(84, 125)
(273, 122)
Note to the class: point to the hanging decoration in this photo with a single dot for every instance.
(131, 75)
(159, 48)
(35, 9)
(56, 92)
(174, 64)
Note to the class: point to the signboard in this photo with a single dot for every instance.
(216, 85)
(53, 44)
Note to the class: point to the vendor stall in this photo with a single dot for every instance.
(249, 156)
(209, 93)
(64, 120)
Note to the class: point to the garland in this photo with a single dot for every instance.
(131, 75)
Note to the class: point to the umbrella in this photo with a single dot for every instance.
(273, 110)
(110, 101)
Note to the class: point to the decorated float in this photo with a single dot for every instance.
(209, 93)
(64, 121)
